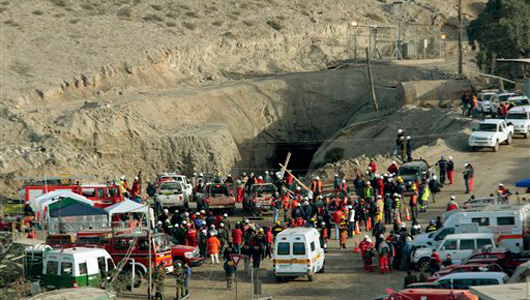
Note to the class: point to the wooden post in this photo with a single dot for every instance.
(298, 181)
(370, 77)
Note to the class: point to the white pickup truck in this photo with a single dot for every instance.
(491, 133)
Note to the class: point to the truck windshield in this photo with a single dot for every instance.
(487, 127)
(265, 189)
(486, 97)
(516, 116)
(220, 190)
(174, 186)
(505, 97)
(162, 243)
(408, 171)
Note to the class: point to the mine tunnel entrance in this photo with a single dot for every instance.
(301, 156)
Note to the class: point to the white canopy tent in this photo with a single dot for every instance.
(40, 203)
(129, 206)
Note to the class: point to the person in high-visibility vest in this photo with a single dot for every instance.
(426, 193)
(316, 186)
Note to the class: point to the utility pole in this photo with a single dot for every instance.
(460, 38)
(370, 77)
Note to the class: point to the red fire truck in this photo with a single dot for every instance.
(103, 194)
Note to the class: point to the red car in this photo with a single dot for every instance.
(473, 267)
(187, 254)
(508, 261)
(432, 294)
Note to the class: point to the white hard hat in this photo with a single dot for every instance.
(466, 164)
(159, 223)
(200, 174)
(229, 175)
(369, 240)
(211, 234)
(183, 222)
(297, 204)
(244, 173)
(197, 213)
(453, 198)
(368, 183)
(306, 198)
(260, 177)
(450, 158)
(408, 137)
(434, 177)
(366, 237)
(394, 162)
(298, 188)
(500, 184)
(266, 172)
(212, 226)
(186, 214)
(136, 178)
(221, 224)
(122, 177)
(238, 181)
(317, 178)
(343, 180)
(379, 196)
(336, 175)
(251, 173)
(202, 211)
(225, 215)
(194, 174)
(166, 211)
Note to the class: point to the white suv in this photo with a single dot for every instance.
(491, 133)
(520, 118)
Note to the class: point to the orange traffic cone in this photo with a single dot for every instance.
(357, 230)
(369, 224)
(356, 248)
(407, 215)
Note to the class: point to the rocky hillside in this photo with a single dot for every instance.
(109, 87)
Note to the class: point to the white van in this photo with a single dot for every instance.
(519, 116)
(463, 280)
(297, 252)
(510, 224)
(76, 267)
(459, 246)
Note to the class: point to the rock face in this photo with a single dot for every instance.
(108, 88)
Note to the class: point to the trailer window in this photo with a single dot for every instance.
(52, 267)
(82, 269)
(298, 249)
(481, 221)
(467, 244)
(450, 245)
(283, 249)
(483, 242)
(66, 268)
(505, 221)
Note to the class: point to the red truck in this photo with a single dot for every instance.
(216, 196)
(162, 249)
(431, 294)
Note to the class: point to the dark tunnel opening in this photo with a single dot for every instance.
(301, 156)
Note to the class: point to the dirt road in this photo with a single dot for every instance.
(344, 277)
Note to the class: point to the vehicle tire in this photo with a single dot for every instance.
(423, 264)
(311, 277)
(496, 147)
(474, 149)
(525, 135)
(279, 279)
(509, 140)
(138, 276)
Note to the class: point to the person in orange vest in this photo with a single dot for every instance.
(316, 187)
(475, 105)
(290, 181)
(191, 237)
(213, 244)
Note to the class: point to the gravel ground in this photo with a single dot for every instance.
(344, 276)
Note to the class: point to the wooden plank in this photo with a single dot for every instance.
(298, 181)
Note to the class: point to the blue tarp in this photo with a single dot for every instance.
(76, 209)
(523, 183)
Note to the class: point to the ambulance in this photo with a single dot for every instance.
(509, 223)
(297, 252)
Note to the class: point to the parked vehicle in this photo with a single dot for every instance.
(435, 238)
(520, 118)
(170, 195)
(486, 100)
(75, 267)
(102, 194)
(515, 101)
(431, 293)
(260, 198)
(462, 281)
(510, 223)
(480, 203)
(491, 133)
(186, 254)
(187, 187)
(298, 253)
(411, 171)
(216, 196)
(459, 246)
(484, 267)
